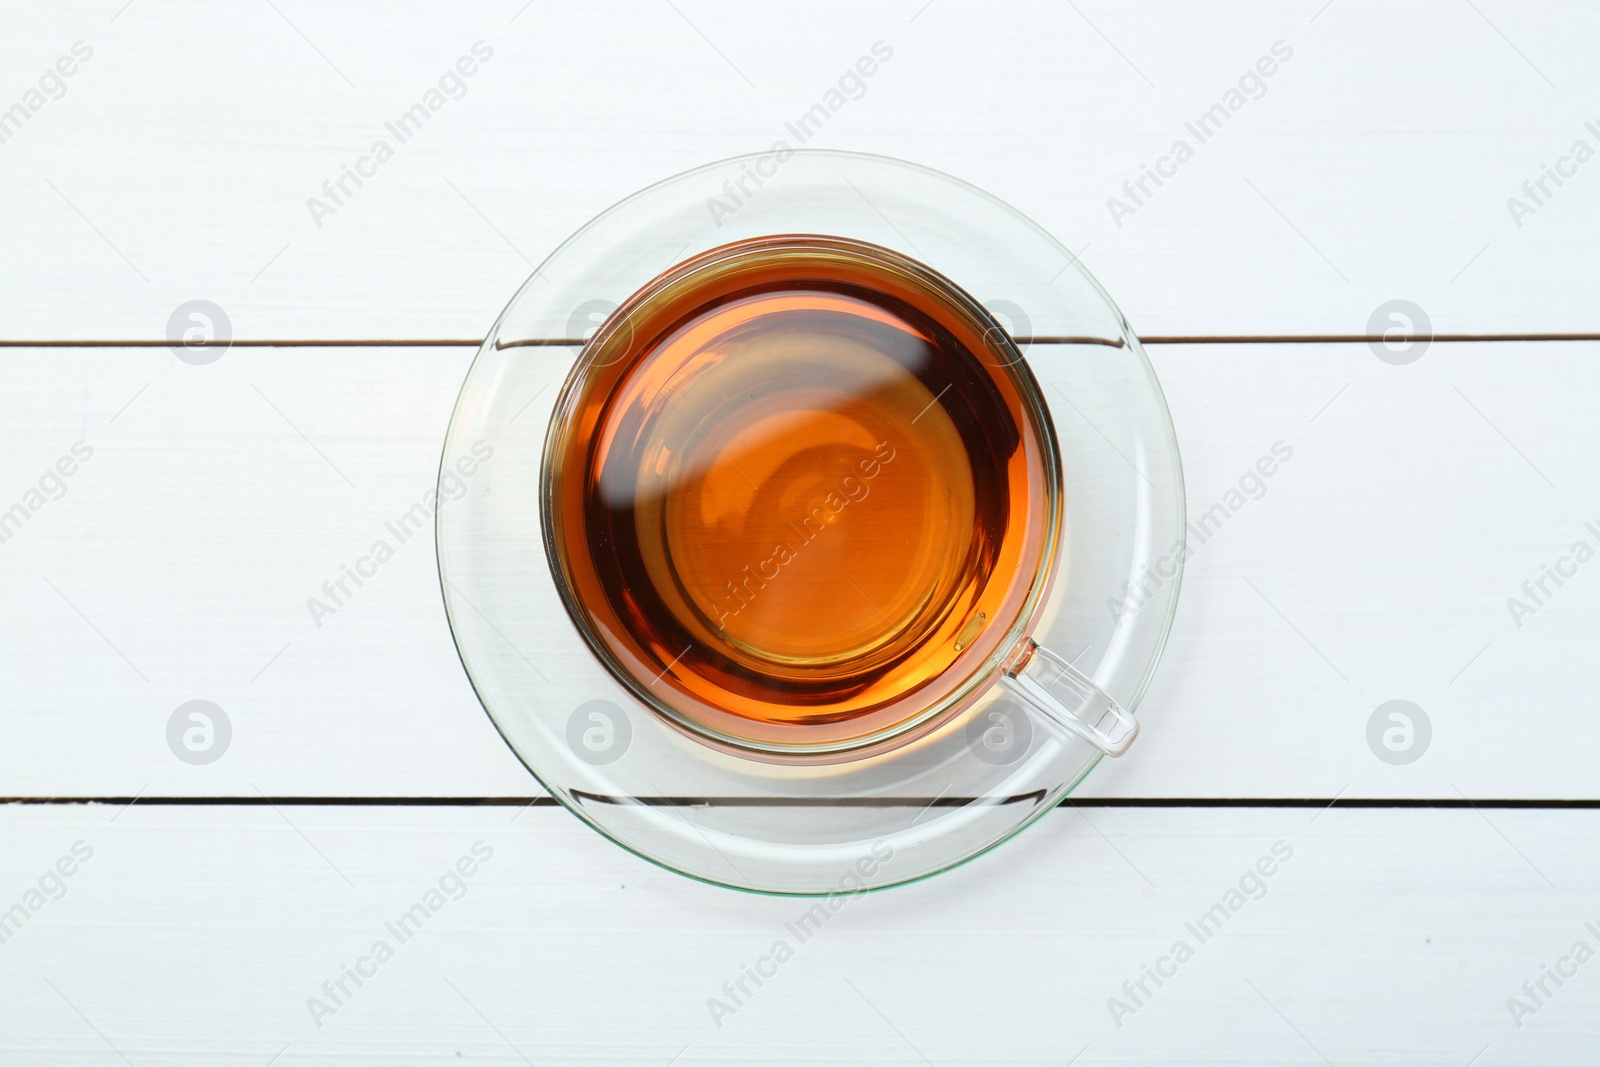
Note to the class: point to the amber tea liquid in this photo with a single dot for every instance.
(800, 494)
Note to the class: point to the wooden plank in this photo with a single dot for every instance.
(198, 936)
(1376, 564)
(1377, 161)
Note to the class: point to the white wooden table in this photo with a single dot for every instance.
(173, 564)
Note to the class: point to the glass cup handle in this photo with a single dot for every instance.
(1067, 699)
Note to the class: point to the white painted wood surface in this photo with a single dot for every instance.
(1377, 565)
(196, 936)
(1377, 165)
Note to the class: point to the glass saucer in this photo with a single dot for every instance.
(795, 827)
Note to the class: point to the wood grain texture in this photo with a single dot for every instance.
(196, 936)
(180, 160)
(1375, 564)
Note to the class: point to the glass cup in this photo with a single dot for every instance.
(803, 501)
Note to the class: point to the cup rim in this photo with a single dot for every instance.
(980, 677)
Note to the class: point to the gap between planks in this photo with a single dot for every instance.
(1441, 803)
(569, 342)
